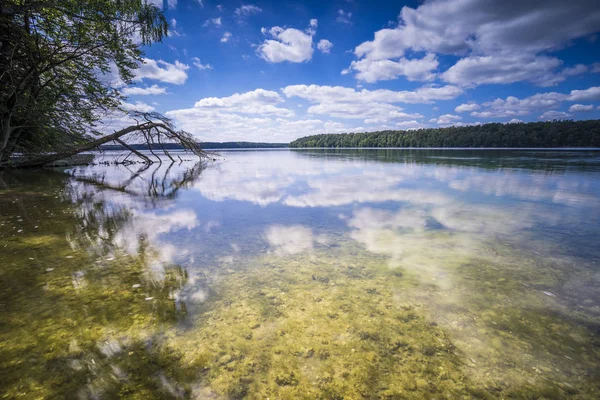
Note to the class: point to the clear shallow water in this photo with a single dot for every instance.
(305, 274)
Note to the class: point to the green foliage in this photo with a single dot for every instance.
(55, 56)
(533, 134)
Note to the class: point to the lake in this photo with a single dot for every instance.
(396, 274)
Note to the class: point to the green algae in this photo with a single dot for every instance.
(331, 326)
(75, 324)
(516, 337)
(290, 328)
(423, 314)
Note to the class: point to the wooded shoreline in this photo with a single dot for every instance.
(555, 134)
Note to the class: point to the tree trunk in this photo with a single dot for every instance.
(48, 158)
(5, 131)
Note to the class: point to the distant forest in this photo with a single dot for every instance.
(533, 134)
(203, 145)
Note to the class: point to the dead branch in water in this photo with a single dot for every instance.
(152, 129)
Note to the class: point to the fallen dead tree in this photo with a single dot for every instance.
(151, 128)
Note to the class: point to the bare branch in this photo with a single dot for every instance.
(148, 129)
(137, 153)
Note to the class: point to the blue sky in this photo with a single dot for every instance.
(277, 70)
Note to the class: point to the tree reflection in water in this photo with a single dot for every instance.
(85, 290)
(342, 274)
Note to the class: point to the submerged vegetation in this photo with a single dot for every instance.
(340, 325)
(532, 134)
(79, 314)
(425, 304)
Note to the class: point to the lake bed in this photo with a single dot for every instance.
(321, 273)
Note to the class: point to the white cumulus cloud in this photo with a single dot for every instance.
(264, 115)
(226, 37)
(371, 112)
(328, 94)
(446, 119)
(162, 71)
(324, 46)
(488, 27)
(222, 125)
(144, 91)
(590, 94)
(501, 43)
(467, 107)
(478, 70)
(138, 106)
(551, 115)
(581, 108)
(408, 125)
(287, 44)
(513, 106)
(415, 69)
(575, 70)
(375, 107)
(259, 101)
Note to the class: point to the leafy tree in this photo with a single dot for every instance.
(55, 57)
(534, 134)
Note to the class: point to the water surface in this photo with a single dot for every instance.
(403, 274)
